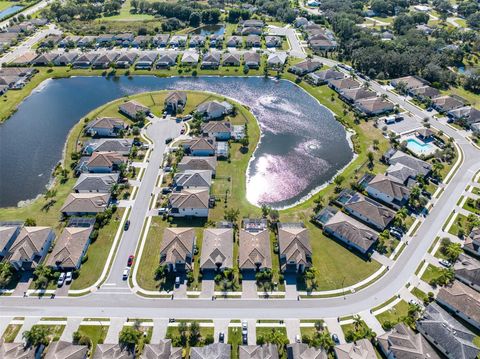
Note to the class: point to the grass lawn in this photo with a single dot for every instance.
(266, 333)
(460, 222)
(235, 339)
(471, 207)
(54, 330)
(351, 327)
(420, 294)
(394, 314)
(476, 190)
(125, 14)
(11, 332)
(431, 273)
(174, 334)
(96, 333)
(6, 4)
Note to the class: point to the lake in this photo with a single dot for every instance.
(9, 11)
(302, 145)
(209, 30)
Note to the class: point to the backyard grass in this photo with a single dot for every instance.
(431, 273)
(394, 314)
(96, 333)
(11, 332)
(235, 339)
(126, 14)
(174, 334)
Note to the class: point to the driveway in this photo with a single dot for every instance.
(116, 326)
(24, 283)
(249, 286)
(208, 285)
(291, 286)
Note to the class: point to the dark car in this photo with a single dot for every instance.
(221, 337)
(168, 140)
(335, 338)
(127, 225)
(244, 339)
(130, 260)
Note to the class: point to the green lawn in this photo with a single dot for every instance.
(431, 273)
(460, 222)
(471, 207)
(55, 331)
(235, 339)
(420, 294)
(126, 15)
(476, 191)
(96, 333)
(174, 334)
(11, 332)
(6, 4)
(394, 314)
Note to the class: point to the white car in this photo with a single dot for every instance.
(414, 302)
(445, 263)
(61, 279)
(68, 278)
(244, 327)
(126, 271)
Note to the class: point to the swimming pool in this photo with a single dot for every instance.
(420, 147)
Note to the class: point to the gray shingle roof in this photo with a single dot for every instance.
(163, 350)
(418, 165)
(254, 248)
(96, 182)
(65, 350)
(266, 351)
(212, 351)
(367, 207)
(217, 248)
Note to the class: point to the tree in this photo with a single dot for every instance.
(194, 333)
(129, 336)
(231, 214)
(194, 19)
(37, 335)
(43, 275)
(453, 251)
(6, 274)
(30, 222)
(338, 180)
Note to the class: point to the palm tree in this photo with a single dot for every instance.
(325, 341)
(453, 251)
(6, 273)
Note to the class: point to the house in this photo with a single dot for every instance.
(175, 101)
(322, 43)
(86, 41)
(467, 115)
(66, 58)
(234, 41)
(126, 60)
(8, 234)
(30, 247)
(276, 60)
(374, 106)
(253, 41)
(190, 58)
(472, 242)
(95, 182)
(305, 67)
(351, 232)
(254, 250)
(120, 145)
(467, 270)
(211, 351)
(362, 348)
(105, 40)
(192, 179)
(301, 21)
(251, 60)
(79, 204)
(409, 82)
(216, 40)
(69, 41)
(212, 110)
(190, 203)
(211, 60)
(388, 190)
(475, 128)
(217, 249)
(403, 342)
(176, 251)
(253, 23)
(197, 41)
(420, 167)
(273, 41)
(424, 92)
(322, 77)
(101, 162)
(360, 93)
(251, 31)
(221, 130)
(66, 350)
(265, 351)
(45, 59)
(402, 173)
(132, 109)
(231, 60)
(446, 334)
(105, 60)
(141, 41)
(145, 60)
(85, 60)
(163, 350)
(369, 211)
(445, 104)
(343, 84)
(161, 40)
(303, 351)
(105, 127)
(113, 351)
(200, 146)
(197, 164)
(18, 351)
(167, 60)
(463, 301)
(70, 248)
(295, 250)
(178, 41)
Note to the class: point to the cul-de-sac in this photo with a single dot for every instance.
(242, 179)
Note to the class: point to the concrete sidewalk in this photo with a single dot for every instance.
(28, 323)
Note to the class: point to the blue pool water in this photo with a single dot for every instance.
(419, 147)
(9, 11)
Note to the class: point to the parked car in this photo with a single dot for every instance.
(162, 210)
(168, 140)
(335, 339)
(445, 263)
(188, 117)
(221, 337)
(61, 279)
(127, 225)
(244, 327)
(130, 261)
(298, 338)
(177, 282)
(166, 190)
(69, 278)
(396, 234)
(414, 302)
(126, 271)
(244, 339)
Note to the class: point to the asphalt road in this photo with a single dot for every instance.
(158, 132)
